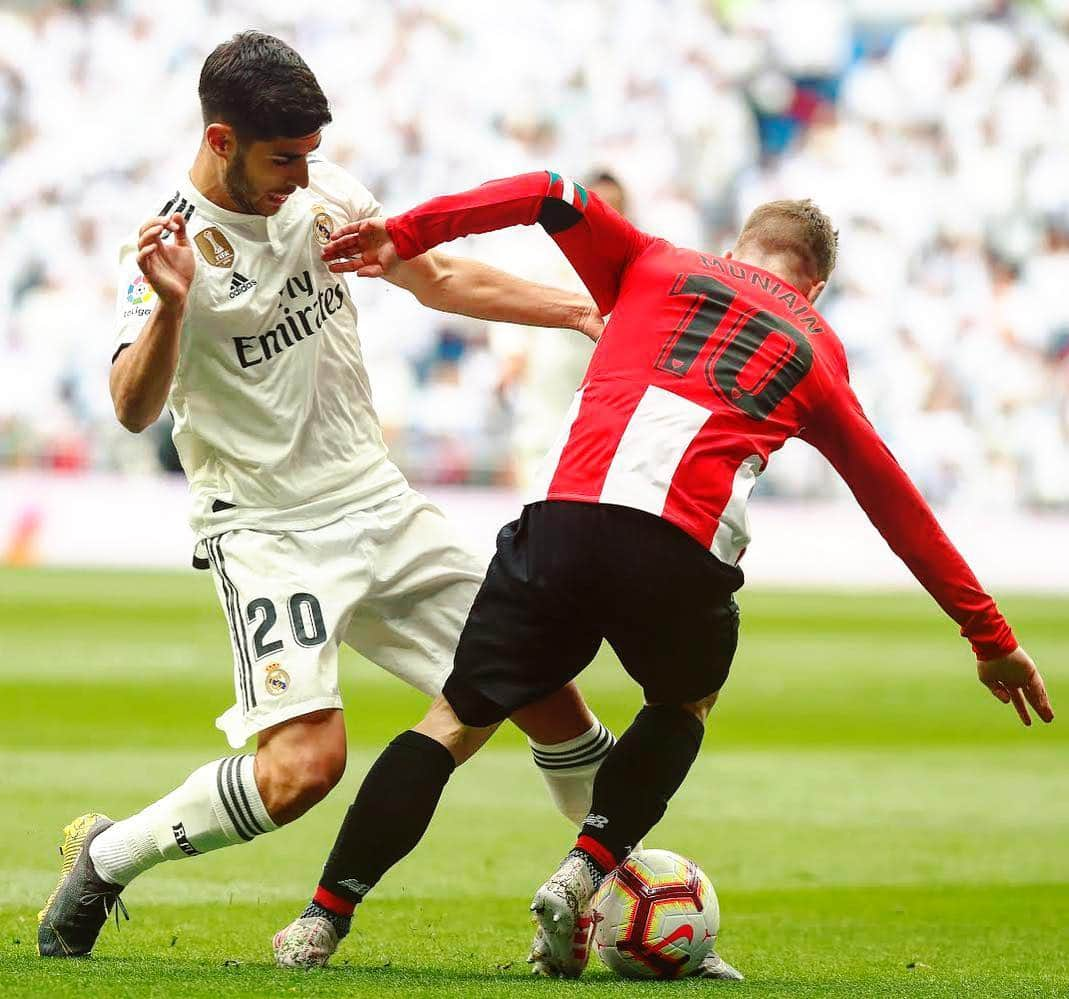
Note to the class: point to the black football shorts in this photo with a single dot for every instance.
(567, 575)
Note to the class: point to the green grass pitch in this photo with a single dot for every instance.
(875, 822)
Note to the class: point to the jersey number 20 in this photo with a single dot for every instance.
(306, 623)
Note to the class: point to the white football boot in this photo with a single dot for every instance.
(714, 966)
(561, 910)
(308, 942)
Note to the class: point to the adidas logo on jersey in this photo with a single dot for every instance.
(239, 284)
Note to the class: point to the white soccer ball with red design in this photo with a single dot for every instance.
(655, 916)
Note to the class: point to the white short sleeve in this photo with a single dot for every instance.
(134, 297)
(341, 187)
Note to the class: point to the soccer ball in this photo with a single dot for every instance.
(655, 916)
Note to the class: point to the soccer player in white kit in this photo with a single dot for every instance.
(229, 316)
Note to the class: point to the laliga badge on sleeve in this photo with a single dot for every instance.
(214, 247)
(139, 291)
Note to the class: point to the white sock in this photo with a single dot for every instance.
(217, 806)
(569, 769)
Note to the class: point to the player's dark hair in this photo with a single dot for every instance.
(796, 228)
(608, 179)
(603, 177)
(262, 88)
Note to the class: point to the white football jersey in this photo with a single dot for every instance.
(273, 419)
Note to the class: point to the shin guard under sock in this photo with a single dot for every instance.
(391, 812)
(638, 777)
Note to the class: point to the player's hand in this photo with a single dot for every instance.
(590, 323)
(1014, 679)
(168, 265)
(364, 247)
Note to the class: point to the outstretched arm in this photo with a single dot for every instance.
(598, 242)
(470, 288)
(843, 434)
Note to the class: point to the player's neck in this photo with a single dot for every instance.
(208, 177)
(782, 265)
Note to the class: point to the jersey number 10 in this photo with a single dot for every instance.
(757, 358)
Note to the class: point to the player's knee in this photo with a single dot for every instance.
(441, 724)
(560, 717)
(318, 772)
(700, 709)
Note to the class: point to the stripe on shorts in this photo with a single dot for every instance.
(237, 624)
(250, 686)
(230, 600)
(227, 610)
(225, 782)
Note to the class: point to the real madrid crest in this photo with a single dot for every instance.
(214, 247)
(277, 680)
(322, 226)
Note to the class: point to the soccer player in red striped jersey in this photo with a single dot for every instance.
(635, 531)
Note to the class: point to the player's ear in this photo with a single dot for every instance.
(221, 139)
(815, 290)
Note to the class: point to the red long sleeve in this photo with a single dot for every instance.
(598, 242)
(602, 246)
(842, 433)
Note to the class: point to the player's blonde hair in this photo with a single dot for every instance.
(796, 228)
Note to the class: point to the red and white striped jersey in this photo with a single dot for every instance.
(706, 367)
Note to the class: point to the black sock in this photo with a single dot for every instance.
(639, 776)
(391, 812)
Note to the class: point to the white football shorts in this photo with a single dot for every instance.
(392, 582)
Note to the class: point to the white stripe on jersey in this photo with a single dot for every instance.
(544, 477)
(653, 444)
(569, 190)
(733, 532)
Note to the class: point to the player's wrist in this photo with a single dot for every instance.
(173, 305)
(405, 241)
(585, 319)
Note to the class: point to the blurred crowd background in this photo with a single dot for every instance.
(936, 135)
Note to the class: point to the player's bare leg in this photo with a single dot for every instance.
(223, 803)
(398, 798)
(299, 762)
